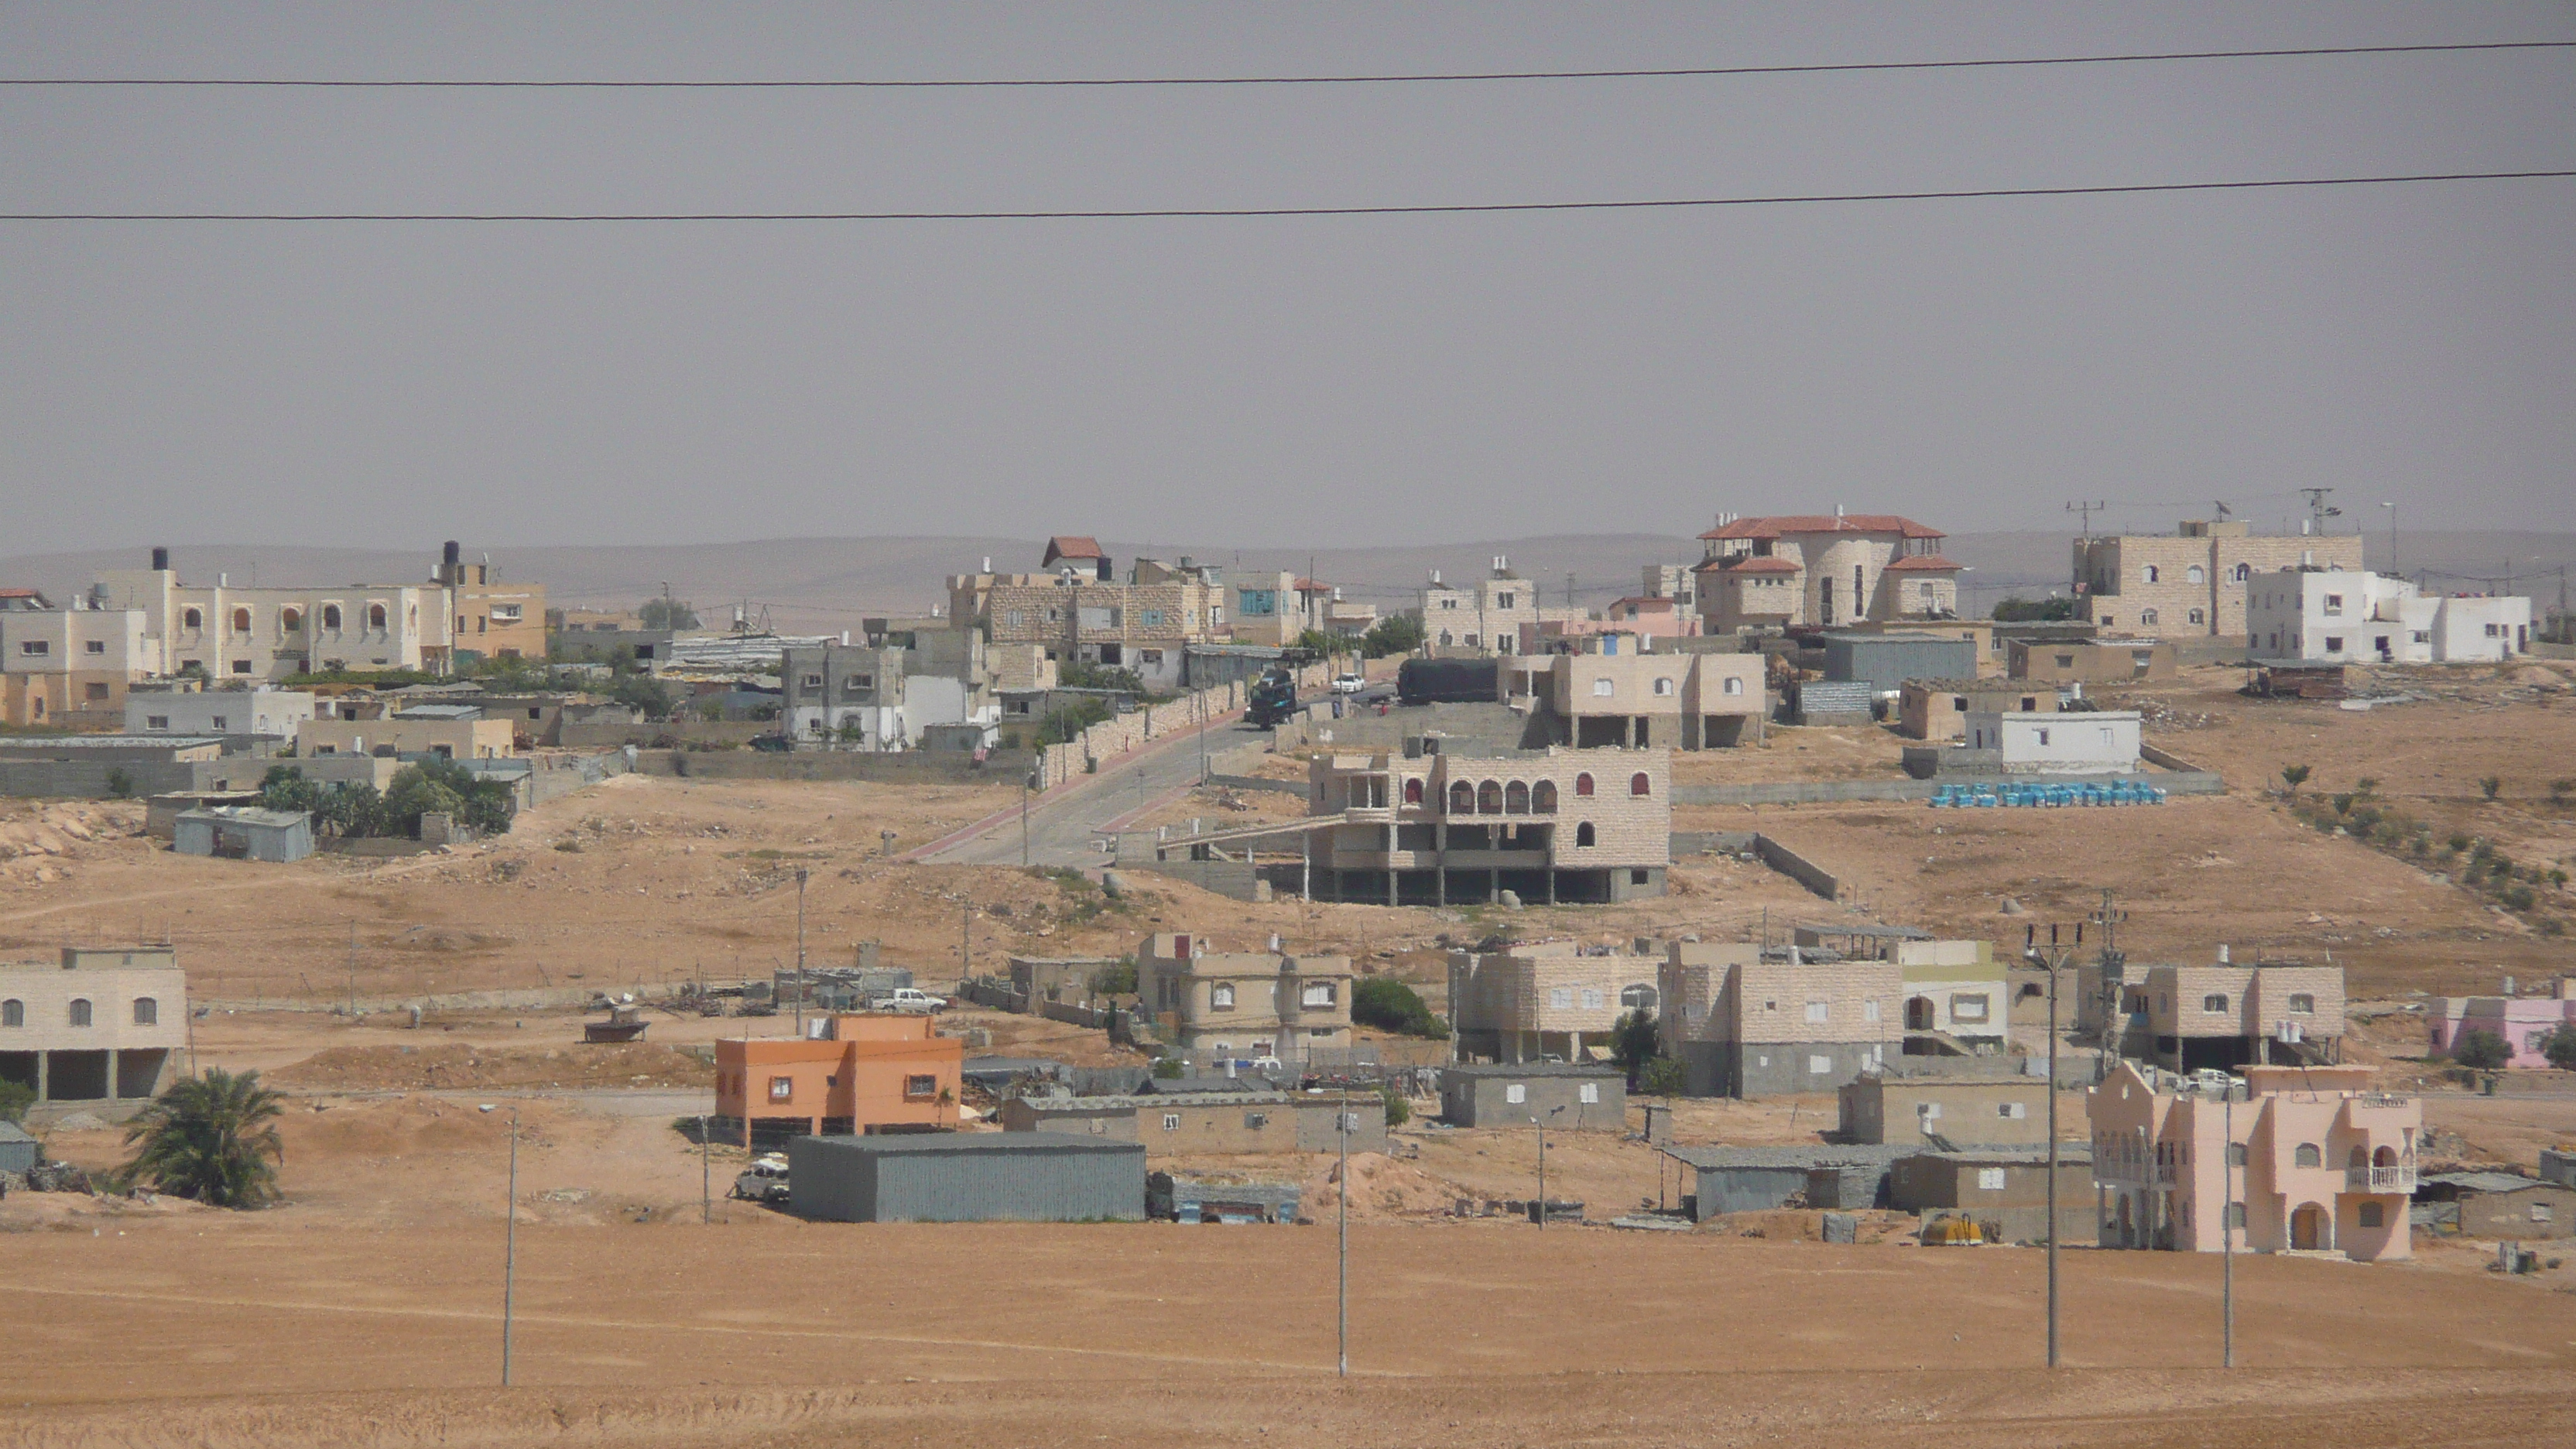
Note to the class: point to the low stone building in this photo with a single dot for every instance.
(1551, 1094)
(1938, 709)
(1946, 1113)
(2004, 1193)
(1768, 1025)
(1531, 1002)
(2090, 661)
(100, 1032)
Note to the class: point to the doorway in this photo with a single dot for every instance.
(2308, 1229)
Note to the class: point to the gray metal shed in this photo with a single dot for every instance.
(962, 1177)
(1560, 1094)
(243, 832)
(1885, 661)
(1752, 1179)
(17, 1149)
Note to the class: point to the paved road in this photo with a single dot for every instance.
(1063, 822)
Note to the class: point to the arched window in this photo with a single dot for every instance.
(147, 1012)
(2384, 1157)
(1584, 834)
(2357, 1157)
(2241, 572)
(192, 618)
(2146, 616)
(1462, 798)
(2154, 574)
(375, 616)
(241, 620)
(79, 1012)
(1663, 686)
(1638, 784)
(2309, 1156)
(1583, 786)
(13, 1012)
(331, 616)
(1543, 798)
(290, 620)
(1413, 792)
(1489, 798)
(1516, 798)
(2195, 574)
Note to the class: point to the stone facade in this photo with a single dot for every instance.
(2191, 584)
(1959, 1111)
(102, 1030)
(1785, 572)
(2090, 661)
(1220, 1005)
(1435, 827)
(68, 668)
(1532, 1002)
(1938, 709)
(1488, 615)
(1077, 617)
(1771, 1027)
(1612, 694)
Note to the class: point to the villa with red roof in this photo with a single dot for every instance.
(1822, 569)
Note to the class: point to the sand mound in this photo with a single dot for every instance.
(461, 1066)
(2539, 675)
(402, 1127)
(1381, 1187)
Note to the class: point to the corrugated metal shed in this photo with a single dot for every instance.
(1752, 1179)
(949, 1177)
(243, 832)
(17, 1149)
(1885, 661)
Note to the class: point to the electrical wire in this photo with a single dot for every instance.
(1108, 82)
(1219, 212)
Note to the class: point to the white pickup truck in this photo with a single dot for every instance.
(905, 998)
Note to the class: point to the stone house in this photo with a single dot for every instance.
(1796, 570)
(2190, 584)
(2004, 1193)
(1080, 614)
(102, 1030)
(1535, 1002)
(1232, 1005)
(67, 668)
(1745, 1024)
(2090, 661)
(1938, 709)
(1487, 615)
(1944, 1112)
(1551, 1094)
(1615, 692)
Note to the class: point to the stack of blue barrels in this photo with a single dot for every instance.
(1987, 794)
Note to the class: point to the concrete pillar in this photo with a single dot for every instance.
(1574, 1046)
(1440, 862)
(1390, 863)
(44, 1076)
(115, 1078)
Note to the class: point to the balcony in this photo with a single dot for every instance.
(2399, 1178)
(2133, 1174)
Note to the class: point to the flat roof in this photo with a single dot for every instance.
(1823, 1154)
(2068, 1154)
(1532, 1069)
(931, 1144)
(106, 742)
(1164, 1099)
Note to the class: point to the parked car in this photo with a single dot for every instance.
(1349, 683)
(766, 1181)
(907, 998)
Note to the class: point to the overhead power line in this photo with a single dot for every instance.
(1095, 82)
(1183, 213)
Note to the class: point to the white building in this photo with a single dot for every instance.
(2348, 616)
(2101, 743)
(275, 712)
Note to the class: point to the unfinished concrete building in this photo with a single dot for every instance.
(1749, 1023)
(2187, 1018)
(100, 1031)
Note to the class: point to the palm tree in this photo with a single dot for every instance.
(213, 1138)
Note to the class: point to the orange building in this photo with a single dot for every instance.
(856, 1074)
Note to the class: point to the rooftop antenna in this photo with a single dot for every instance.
(2083, 511)
(2318, 510)
(2223, 511)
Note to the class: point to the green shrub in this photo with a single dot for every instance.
(2560, 1047)
(1398, 1110)
(2491, 786)
(15, 1099)
(1390, 1005)
(2482, 1051)
(1661, 1077)
(1166, 1068)
(120, 785)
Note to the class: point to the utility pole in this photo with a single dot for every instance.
(353, 969)
(706, 1176)
(2318, 509)
(509, 1245)
(1024, 822)
(2392, 540)
(800, 952)
(965, 939)
(1342, 1290)
(2227, 1234)
(2085, 512)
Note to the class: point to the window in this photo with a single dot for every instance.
(147, 1012)
(1462, 798)
(2013, 1111)
(375, 616)
(2200, 616)
(330, 616)
(2215, 1003)
(241, 621)
(156, 721)
(1516, 798)
(1927, 1111)
(1590, 1092)
(2302, 1004)
(1869, 1009)
(1990, 1179)
(192, 618)
(782, 1089)
(1515, 1094)
(2195, 574)
(920, 1087)
(1543, 798)
(94, 646)
(2043, 737)
(2065, 661)
(1561, 998)
(241, 666)
(1819, 1012)
(1663, 686)
(1591, 999)
(36, 647)
(2241, 573)
(1638, 784)
(1171, 1121)
(2147, 616)
(505, 613)
(1504, 601)
(2334, 643)
(1638, 876)
(2153, 574)
(1969, 1006)
(1603, 688)
(2540, 1213)
(1734, 685)
(2373, 1215)
(13, 1013)
(2423, 636)
(1221, 996)
(1317, 993)
(2308, 1155)
(79, 1013)
(1585, 835)
(2334, 606)
(1583, 786)
(2236, 1154)
(861, 682)
(2236, 1215)
(290, 620)
(812, 681)
(1489, 798)
(1818, 1066)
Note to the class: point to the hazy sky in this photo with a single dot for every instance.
(1308, 382)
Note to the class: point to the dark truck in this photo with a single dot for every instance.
(1273, 700)
(1446, 681)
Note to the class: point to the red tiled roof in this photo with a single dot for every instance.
(14, 592)
(1750, 564)
(1922, 563)
(1643, 602)
(1824, 523)
(1309, 586)
(1065, 545)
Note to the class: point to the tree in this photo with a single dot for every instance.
(15, 1099)
(1662, 1077)
(667, 614)
(1390, 1005)
(2482, 1051)
(1080, 674)
(1316, 641)
(1632, 1042)
(120, 785)
(1394, 634)
(418, 789)
(2019, 610)
(643, 692)
(2560, 1047)
(2294, 776)
(212, 1138)
(350, 810)
(285, 788)
(1118, 978)
(1398, 1110)
(2491, 786)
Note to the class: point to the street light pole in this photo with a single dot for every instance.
(2054, 961)
(1024, 822)
(2392, 538)
(800, 952)
(1342, 1291)
(1541, 1124)
(510, 1246)
(2227, 1234)
(706, 1176)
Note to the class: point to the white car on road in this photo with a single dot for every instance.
(907, 999)
(1349, 683)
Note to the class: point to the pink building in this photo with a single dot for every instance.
(2317, 1162)
(2522, 1021)
(1635, 618)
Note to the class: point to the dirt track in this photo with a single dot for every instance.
(1066, 1335)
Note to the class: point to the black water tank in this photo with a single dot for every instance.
(160, 558)
(453, 554)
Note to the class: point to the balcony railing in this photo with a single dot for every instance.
(2133, 1174)
(2400, 1178)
